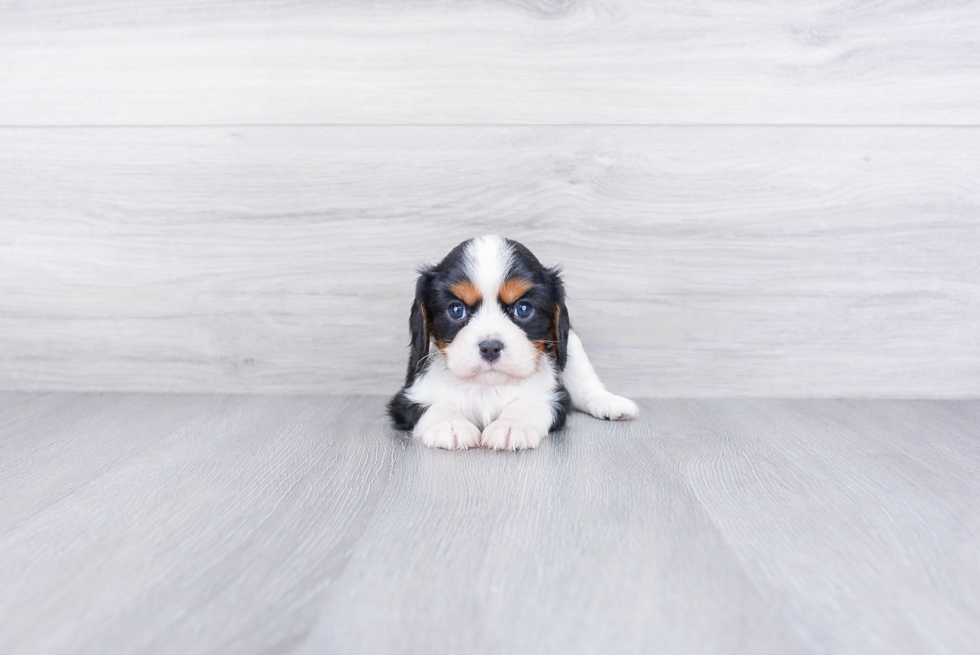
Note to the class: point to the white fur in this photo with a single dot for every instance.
(519, 359)
(443, 426)
(521, 424)
(588, 393)
(449, 398)
(506, 405)
(487, 260)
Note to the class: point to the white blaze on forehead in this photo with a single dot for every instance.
(486, 262)
(488, 258)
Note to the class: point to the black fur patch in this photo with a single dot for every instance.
(549, 323)
(561, 404)
(403, 412)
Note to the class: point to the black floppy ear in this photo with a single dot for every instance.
(418, 323)
(560, 323)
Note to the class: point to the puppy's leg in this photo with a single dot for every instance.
(588, 393)
(442, 426)
(522, 424)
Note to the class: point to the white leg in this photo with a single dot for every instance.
(442, 426)
(522, 424)
(588, 393)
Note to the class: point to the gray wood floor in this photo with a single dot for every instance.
(252, 524)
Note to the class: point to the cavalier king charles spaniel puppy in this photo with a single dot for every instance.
(494, 361)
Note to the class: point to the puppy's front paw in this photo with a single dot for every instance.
(505, 434)
(453, 434)
(612, 407)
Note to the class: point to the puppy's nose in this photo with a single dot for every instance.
(490, 349)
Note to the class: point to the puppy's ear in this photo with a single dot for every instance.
(418, 323)
(560, 323)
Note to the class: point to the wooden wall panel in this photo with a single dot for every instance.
(708, 261)
(97, 62)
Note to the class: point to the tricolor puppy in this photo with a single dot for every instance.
(494, 361)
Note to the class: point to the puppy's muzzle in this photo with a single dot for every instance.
(490, 350)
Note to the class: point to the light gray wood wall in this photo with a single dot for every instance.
(749, 199)
(483, 61)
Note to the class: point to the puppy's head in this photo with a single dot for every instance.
(492, 309)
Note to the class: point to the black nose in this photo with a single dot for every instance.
(490, 350)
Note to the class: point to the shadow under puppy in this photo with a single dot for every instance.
(494, 361)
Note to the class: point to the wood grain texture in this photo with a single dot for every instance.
(252, 524)
(699, 261)
(219, 534)
(802, 490)
(98, 62)
(593, 544)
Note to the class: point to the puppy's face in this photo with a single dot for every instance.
(493, 311)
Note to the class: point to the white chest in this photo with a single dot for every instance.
(478, 402)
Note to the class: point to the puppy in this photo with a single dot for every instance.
(494, 361)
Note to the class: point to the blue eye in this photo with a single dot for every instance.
(523, 310)
(456, 311)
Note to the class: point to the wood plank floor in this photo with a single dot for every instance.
(253, 524)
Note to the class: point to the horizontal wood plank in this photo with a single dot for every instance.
(97, 62)
(699, 261)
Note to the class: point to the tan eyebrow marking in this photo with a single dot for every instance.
(513, 289)
(466, 291)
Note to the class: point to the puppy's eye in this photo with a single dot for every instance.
(523, 310)
(456, 311)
